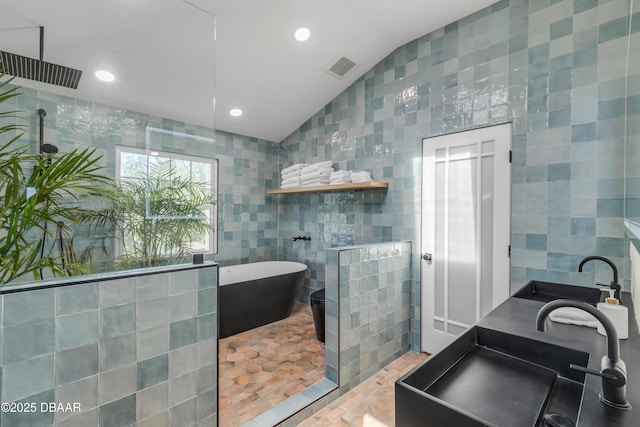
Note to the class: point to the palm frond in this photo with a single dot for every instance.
(42, 203)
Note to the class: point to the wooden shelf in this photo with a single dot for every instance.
(334, 187)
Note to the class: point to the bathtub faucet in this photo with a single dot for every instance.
(301, 238)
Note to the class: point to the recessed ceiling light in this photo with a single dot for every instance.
(105, 76)
(154, 153)
(235, 112)
(301, 34)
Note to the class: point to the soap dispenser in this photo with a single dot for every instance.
(617, 313)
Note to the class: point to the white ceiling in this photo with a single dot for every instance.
(162, 52)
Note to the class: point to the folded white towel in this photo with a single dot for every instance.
(319, 165)
(291, 172)
(292, 185)
(573, 316)
(315, 181)
(340, 177)
(292, 180)
(361, 176)
(295, 167)
(361, 179)
(316, 174)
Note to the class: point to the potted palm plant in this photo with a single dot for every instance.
(42, 198)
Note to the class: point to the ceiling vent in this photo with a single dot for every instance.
(340, 66)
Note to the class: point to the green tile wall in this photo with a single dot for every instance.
(557, 70)
(118, 355)
(247, 219)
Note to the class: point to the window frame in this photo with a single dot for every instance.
(213, 163)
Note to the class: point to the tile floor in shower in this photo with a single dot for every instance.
(262, 367)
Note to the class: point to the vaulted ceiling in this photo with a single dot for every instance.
(167, 63)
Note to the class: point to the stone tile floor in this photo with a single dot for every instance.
(371, 403)
(264, 366)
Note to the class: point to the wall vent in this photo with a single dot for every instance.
(341, 66)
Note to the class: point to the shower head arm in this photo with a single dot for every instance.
(41, 43)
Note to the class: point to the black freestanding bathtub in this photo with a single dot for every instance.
(257, 294)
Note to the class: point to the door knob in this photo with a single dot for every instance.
(427, 257)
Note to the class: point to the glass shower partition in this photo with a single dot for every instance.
(118, 324)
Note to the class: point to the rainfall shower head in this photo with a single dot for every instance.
(39, 70)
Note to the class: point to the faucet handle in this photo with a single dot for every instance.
(594, 372)
(611, 375)
(613, 286)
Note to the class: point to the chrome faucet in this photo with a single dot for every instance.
(612, 369)
(614, 284)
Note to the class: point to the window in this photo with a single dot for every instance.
(155, 177)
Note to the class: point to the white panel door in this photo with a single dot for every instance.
(466, 212)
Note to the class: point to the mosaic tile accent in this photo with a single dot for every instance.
(105, 345)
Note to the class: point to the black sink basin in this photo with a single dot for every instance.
(490, 378)
(547, 291)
